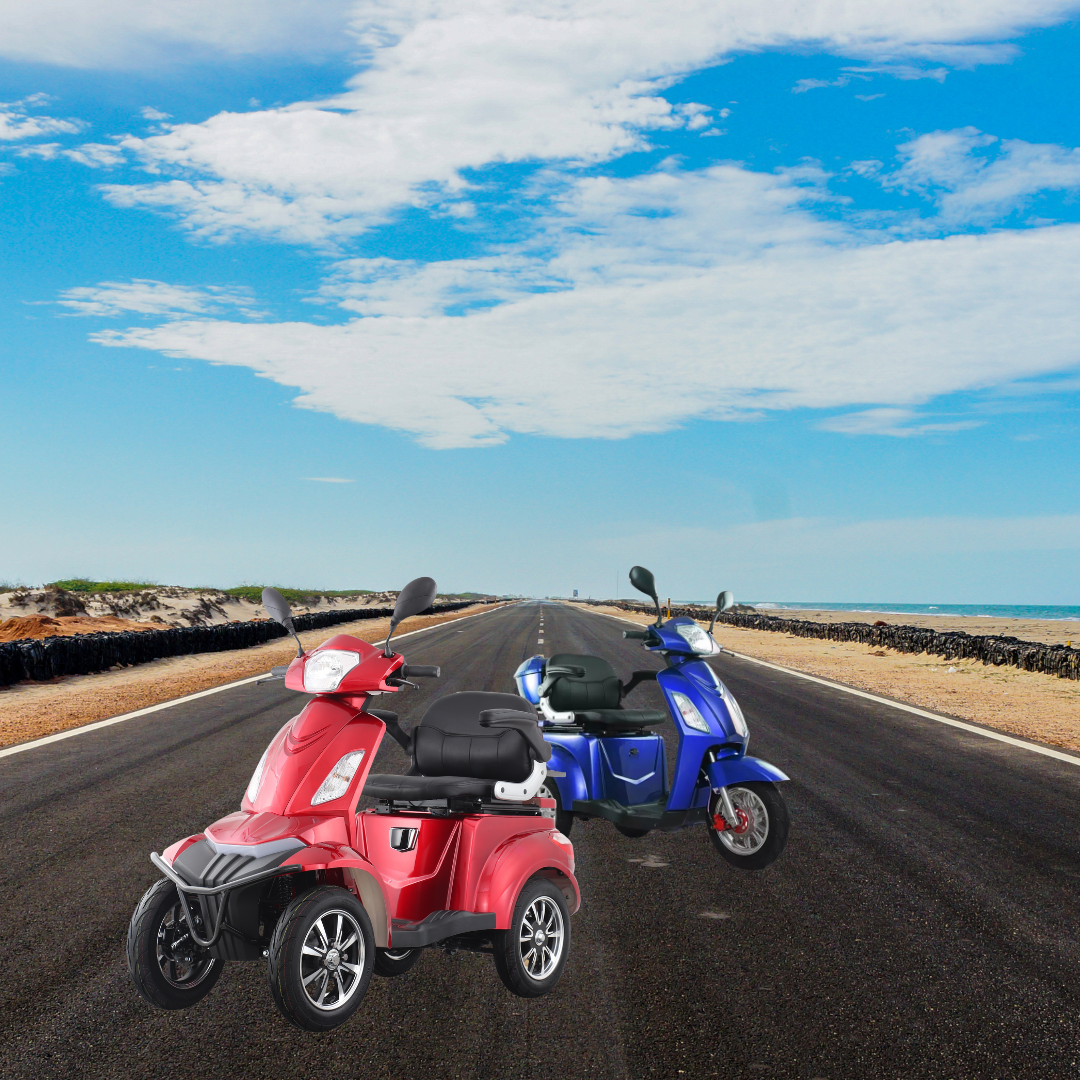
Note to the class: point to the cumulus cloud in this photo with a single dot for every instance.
(456, 85)
(144, 33)
(145, 297)
(976, 178)
(17, 121)
(659, 318)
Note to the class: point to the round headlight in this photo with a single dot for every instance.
(326, 668)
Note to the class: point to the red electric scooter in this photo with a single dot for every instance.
(458, 853)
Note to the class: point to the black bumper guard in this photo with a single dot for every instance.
(183, 888)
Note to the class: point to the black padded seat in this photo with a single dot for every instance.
(418, 788)
(595, 697)
(620, 719)
(455, 756)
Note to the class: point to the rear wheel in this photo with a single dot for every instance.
(390, 963)
(564, 819)
(168, 969)
(763, 830)
(530, 956)
(321, 957)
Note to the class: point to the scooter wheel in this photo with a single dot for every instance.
(765, 835)
(564, 819)
(321, 958)
(166, 966)
(530, 956)
(390, 963)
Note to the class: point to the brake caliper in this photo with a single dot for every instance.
(721, 825)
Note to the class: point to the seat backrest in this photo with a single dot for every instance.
(598, 689)
(449, 740)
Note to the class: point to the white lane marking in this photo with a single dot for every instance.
(1046, 751)
(20, 747)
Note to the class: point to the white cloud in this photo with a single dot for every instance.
(145, 33)
(144, 297)
(890, 421)
(148, 112)
(17, 122)
(668, 297)
(455, 85)
(971, 186)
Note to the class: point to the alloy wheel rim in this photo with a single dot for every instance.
(181, 963)
(757, 832)
(332, 960)
(540, 937)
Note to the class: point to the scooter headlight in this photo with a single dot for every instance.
(698, 640)
(326, 668)
(690, 713)
(340, 777)
(256, 776)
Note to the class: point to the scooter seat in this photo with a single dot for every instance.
(613, 720)
(417, 788)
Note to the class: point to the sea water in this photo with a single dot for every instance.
(989, 611)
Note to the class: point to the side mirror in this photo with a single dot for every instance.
(277, 607)
(417, 596)
(643, 581)
(724, 602)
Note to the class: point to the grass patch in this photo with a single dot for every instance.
(254, 593)
(83, 585)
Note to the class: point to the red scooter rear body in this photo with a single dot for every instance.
(439, 872)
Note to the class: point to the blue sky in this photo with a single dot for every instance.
(783, 300)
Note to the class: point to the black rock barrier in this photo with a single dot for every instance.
(1059, 660)
(41, 659)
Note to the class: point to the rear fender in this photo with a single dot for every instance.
(738, 770)
(518, 860)
(571, 784)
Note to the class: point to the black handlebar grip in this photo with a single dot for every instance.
(420, 671)
(636, 635)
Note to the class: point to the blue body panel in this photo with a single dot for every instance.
(725, 771)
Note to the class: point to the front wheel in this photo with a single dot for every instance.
(321, 956)
(764, 825)
(530, 956)
(168, 969)
(564, 819)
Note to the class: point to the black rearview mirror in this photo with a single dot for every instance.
(277, 607)
(417, 596)
(643, 581)
(725, 601)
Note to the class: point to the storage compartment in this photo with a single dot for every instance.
(634, 768)
(529, 676)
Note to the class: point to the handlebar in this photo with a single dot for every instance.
(636, 635)
(420, 671)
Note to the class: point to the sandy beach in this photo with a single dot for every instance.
(1028, 705)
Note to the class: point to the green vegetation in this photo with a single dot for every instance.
(254, 593)
(82, 585)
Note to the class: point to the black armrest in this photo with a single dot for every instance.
(635, 678)
(553, 674)
(390, 719)
(519, 721)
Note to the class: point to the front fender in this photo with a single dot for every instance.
(726, 771)
(359, 872)
(518, 860)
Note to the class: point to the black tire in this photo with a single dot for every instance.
(531, 972)
(333, 923)
(766, 835)
(167, 968)
(634, 834)
(389, 963)
(564, 819)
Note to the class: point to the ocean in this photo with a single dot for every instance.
(989, 611)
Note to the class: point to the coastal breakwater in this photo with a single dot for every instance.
(39, 660)
(1059, 660)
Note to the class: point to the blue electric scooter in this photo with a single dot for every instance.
(608, 763)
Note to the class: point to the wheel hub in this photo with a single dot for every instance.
(333, 960)
(539, 937)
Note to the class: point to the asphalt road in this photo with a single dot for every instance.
(922, 923)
